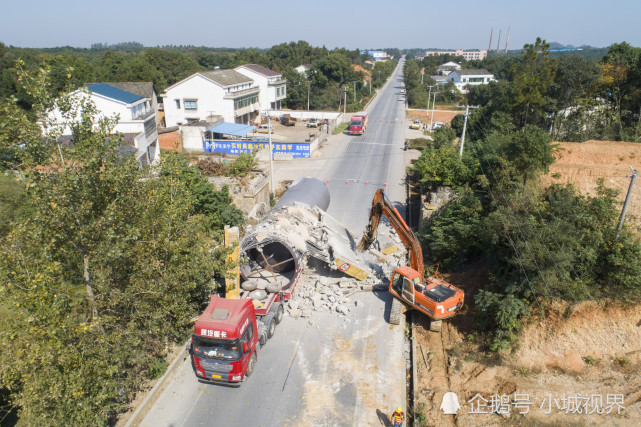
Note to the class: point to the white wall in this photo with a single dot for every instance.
(267, 93)
(209, 97)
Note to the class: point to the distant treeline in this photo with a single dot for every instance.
(330, 74)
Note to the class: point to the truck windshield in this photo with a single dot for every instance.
(216, 349)
(356, 123)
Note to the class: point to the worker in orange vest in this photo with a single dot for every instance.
(398, 417)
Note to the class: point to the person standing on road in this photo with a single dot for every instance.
(398, 417)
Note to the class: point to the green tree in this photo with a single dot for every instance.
(105, 272)
(531, 80)
(531, 151)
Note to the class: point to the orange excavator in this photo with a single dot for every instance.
(431, 296)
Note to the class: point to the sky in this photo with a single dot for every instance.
(461, 24)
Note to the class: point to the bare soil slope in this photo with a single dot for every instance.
(582, 163)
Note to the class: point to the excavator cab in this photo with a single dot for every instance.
(435, 298)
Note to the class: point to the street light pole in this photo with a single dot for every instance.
(271, 153)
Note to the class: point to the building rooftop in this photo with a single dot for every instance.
(144, 89)
(260, 70)
(113, 92)
(226, 77)
(481, 72)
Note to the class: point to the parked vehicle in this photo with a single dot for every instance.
(416, 124)
(313, 123)
(358, 124)
(264, 128)
(432, 296)
(287, 120)
(437, 125)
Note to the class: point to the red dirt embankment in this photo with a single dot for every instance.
(582, 163)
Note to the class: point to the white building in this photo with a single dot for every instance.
(464, 78)
(467, 54)
(378, 55)
(448, 67)
(226, 93)
(137, 117)
(303, 69)
(272, 85)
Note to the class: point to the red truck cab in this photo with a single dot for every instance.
(225, 341)
(358, 124)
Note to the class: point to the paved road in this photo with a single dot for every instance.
(327, 370)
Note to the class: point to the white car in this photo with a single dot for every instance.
(264, 128)
(437, 125)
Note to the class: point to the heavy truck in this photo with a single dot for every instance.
(430, 295)
(228, 334)
(358, 124)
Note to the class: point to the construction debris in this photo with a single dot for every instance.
(277, 248)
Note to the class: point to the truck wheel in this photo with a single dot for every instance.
(271, 326)
(395, 312)
(279, 314)
(252, 364)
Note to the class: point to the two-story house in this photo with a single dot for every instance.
(225, 93)
(464, 78)
(136, 117)
(273, 86)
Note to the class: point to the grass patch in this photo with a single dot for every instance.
(157, 369)
(340, 128)
(418, 143)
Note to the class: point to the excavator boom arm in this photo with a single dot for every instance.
(382, 206)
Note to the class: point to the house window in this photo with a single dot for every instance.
(177, 103)
(191, 104)
(476, 79)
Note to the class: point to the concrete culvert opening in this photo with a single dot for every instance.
(274, 262)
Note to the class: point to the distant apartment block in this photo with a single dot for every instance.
(378, 55)
(468, 55)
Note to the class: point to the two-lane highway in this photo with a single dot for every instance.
(328, 369)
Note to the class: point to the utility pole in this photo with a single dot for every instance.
(467, 110)
(627, 201)
(432, 119)
(428, 101)
(308, 95)
(354, 92)
(345, 101)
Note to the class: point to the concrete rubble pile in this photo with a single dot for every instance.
(278, 247)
